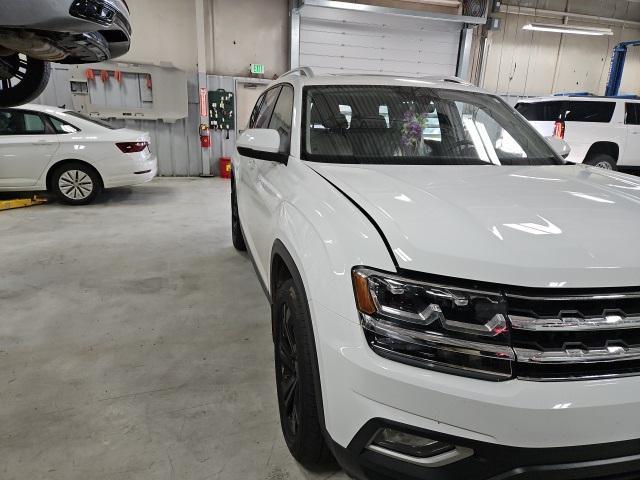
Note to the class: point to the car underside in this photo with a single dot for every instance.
(25, 53)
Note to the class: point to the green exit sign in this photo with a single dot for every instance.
(257, 69)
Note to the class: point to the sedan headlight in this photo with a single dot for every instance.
(448, 329)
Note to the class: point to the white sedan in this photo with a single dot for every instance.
(69, 154)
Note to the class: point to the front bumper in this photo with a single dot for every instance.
(511, 425)
(613, 461)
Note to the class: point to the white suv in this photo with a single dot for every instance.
(602, 131)
(460, 306)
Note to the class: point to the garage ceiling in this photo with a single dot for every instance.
(619, 9)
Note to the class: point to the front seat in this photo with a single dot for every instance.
(328, 134)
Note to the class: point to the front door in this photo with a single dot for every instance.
(27, 145)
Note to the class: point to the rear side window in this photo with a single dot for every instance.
(598, 112)
(541, 111)
(633, 114)
(62, 127)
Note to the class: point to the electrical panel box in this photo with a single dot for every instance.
(124, 91)
(221, 110)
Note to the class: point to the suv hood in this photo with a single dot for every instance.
(546, 226)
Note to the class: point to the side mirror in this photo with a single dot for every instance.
(261, 144)
(560, 146)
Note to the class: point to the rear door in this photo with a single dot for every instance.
(631, 154)
(27, 146)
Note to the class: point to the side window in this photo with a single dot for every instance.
(33, 124)
(266, 109)
(15, 122)
(62, 127)
(256, 111)
(633, 114)
(595, 112)
(282, 118)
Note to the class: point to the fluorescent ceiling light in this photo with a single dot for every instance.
(545, 27)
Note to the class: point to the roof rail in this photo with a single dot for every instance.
(306, 71)
(449, 79)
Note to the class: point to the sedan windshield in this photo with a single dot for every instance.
(416, 125)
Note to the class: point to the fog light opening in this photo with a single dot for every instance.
(415, 449)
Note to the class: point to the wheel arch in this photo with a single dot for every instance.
(604, 147)
(59, 163)
(284, 267)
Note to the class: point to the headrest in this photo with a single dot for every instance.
(329, 121)
(368, 123)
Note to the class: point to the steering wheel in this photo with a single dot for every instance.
(462, 143)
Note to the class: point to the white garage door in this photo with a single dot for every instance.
(338, 41)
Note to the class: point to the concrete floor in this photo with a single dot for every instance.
(135, 343)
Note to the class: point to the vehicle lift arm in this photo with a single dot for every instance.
(617, 67)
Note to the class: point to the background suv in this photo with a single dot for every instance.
(602, 131)
(454, 306)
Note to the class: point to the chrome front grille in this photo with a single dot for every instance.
(573, 337)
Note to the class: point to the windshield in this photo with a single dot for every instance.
(416, 125)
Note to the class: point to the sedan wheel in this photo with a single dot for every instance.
(76, 184)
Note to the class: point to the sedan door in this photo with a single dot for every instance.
(27, 146)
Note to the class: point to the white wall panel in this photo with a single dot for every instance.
(335, 41)
(528, 63)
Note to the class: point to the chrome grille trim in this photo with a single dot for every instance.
(574, 322)
(576, 355)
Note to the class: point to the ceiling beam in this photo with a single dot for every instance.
(400, 12)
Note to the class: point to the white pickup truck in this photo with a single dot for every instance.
(602, 131)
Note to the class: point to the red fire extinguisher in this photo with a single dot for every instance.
(205, 138)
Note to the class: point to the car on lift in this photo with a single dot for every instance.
(34, 33)
(69, 154)
(458, 306)
(602, 131)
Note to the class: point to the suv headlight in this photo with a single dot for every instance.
(448, 329)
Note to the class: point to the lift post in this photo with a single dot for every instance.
(617, 67)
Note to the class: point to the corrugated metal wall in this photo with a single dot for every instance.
(177, 145)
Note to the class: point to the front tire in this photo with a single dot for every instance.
(294, 362)
(602, 160)
(76, 184)
(22, 79)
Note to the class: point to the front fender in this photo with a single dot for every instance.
(326, 239)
